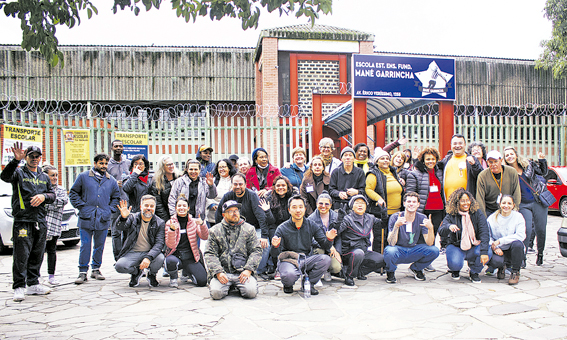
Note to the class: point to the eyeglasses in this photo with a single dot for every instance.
(325, 147)
(232, 212)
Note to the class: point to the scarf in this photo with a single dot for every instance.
(327, 160)
(361, 164)
(468, 236)
(317, 179)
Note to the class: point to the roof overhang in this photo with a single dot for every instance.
(377, 109)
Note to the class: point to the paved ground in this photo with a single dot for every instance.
(438, 308)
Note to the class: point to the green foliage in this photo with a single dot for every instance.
(39, 18)
(554, 55)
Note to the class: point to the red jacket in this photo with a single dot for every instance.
(172, 237)
(252, 177)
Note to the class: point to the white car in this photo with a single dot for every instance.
(69, 235)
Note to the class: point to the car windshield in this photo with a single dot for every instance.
(5, 189)
(561, 171)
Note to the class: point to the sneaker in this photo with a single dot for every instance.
(38, 290)
(391, 277)
(474, 277)
(501, 274)
(314, 291)
(361, 277)
(326, 277)
(173, 283)
(152, 280)
(19, 294)
(319, 284)
(97, 275)
(165, 273)
(349, 281)
(288, 289)
(264, 276)
(531, 250)
(277, 276)
(82, 278)
(53, 281)
(442, 251)
(489, 271)
(135, 278)
(514, 278)
(184, 278)
(417, 274)
(429, 268)
(455, 275)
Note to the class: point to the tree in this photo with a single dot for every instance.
(554, 55)
(40, 18)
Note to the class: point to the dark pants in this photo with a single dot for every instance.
(116, 236)
(535, 215)
(377, 244)
(359, 262)
(190, 267)
(436, 218)
(50, 248)
(29, 247)
(512, 257)
(314, 266)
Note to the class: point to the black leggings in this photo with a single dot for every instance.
(192, 268)
(50, 248)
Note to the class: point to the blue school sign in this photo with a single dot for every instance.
(377, 76)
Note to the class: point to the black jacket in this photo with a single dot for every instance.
(162, 209)
(24, 186)
(532, 171)
(250, 210)
(480, 229)
(354, 235)
(300, 240)
(135, 189)
(315, 218)
(472, 172)
(381, 190)
(341, 181)
(131, 228)
(418, 181)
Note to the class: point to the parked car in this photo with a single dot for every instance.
(557, 184)
(69, 235)
(562, 237)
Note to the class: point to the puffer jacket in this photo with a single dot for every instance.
(354, 235)
(480, 230)
(24, 187)
(380, 189)
(136, 188)
(193, 231)
(532, 171)
(225, 239)
(181, 186)
(315, 218)
(418, 181)
(294, 174)
(131, 228)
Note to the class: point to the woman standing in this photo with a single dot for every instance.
(507, 233)
(261, 175)
(182, 250)
(54, 217)
(315, 181)
(478, 150)
(295, 171)
(223, 171)
(398, 161)
(327, 147)
(385, 191)
(466, 230)
(139, 182)
(164, 177)
(534, 212)
(361, 157)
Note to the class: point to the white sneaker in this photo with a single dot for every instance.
(173, 283)
(53, 281)
(327, 277)
(19, 294)
(184, 278)
(38, 290)
(319, 284)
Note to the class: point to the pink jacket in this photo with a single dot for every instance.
(172, 237)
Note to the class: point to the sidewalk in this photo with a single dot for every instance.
(438, 308)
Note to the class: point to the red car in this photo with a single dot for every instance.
(557, 185)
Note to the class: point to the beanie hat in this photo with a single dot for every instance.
(347, 149)
(255, 154)
(378, 152)
(357, 197)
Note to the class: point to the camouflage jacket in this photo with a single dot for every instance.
(241, 238)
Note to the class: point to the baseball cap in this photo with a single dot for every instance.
(33, 148)
(494, 155)
(230, 204)
(206, 147)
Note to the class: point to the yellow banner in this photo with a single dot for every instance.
(77, 147)
(131, 138)
(26, 135)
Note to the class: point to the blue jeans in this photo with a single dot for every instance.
(263, 266)
(420, 256)
(456, 258)
(87, 238)
(535, 215)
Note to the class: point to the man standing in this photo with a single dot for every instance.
(233, 254)
(405, 229)
(31, 191)
(294, 237)
(204, 156)
(144, 238)
(496, 181)
(95, 194)
(118, 167)
(346, 181)
(460, 169)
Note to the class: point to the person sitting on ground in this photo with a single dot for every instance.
(355, 230)
(182, 250)
(260, 177)
(296, 170)
(294, 240)
(346, 181)
(405, 229)
(466, 231)
(315, 181)
(144, 239)
(232, 254)
(324, 217)
(507, 233)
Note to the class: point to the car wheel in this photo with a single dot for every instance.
(563, 207)
(71, 243)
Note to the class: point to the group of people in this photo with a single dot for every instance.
(228, 223)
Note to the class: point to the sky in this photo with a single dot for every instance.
(486, 28)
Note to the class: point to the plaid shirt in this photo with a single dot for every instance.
(55, 212)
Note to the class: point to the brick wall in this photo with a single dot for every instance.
(321, 74)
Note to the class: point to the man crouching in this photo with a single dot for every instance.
(144, 235)
(232, 255)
